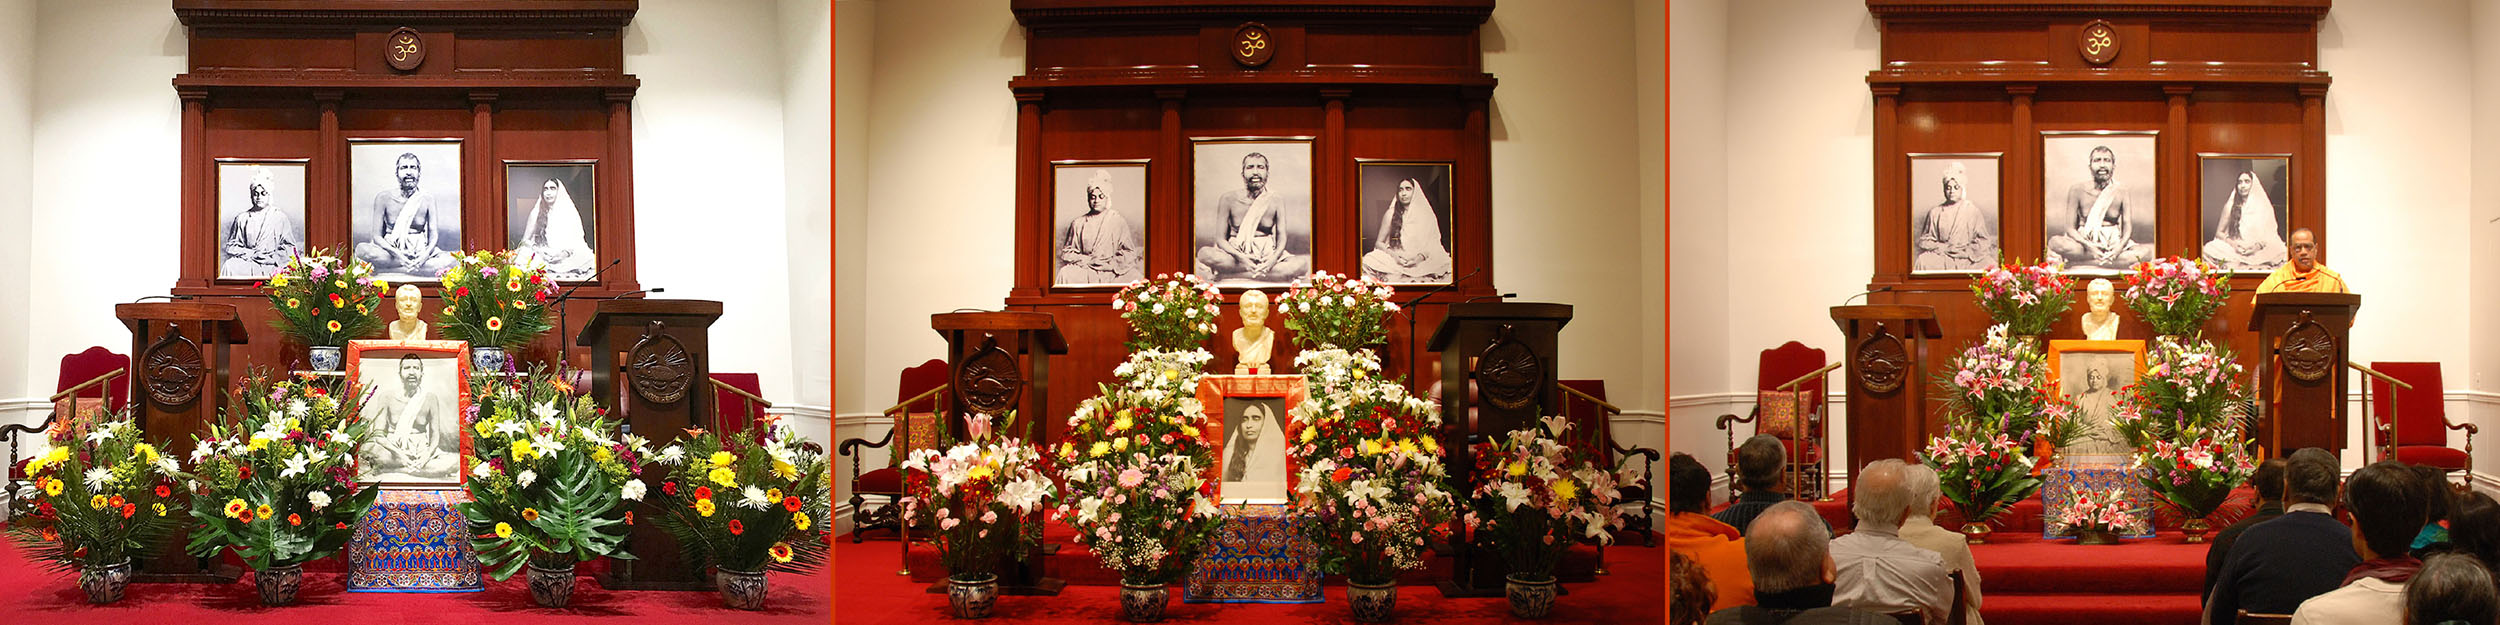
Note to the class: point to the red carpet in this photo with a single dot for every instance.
(30, 595)
(871, 594)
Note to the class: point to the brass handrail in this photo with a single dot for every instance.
(1591, 398)
(1792, 385)
(74, 390)
(905, 405)
(741, 393)
(2394, 409)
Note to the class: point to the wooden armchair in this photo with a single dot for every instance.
(917, 416)
(86, 387)
(2411, 424)
(1788, 404)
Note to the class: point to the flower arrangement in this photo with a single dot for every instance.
(100, 494)
(1170, 312)
(748, 502)
(2026, 298)
(2003, 387)
(1369, 495)
(2195, 476)
(549, 476)
(975, 494)
(1166, 372)
(2176, 295)
(1136, 466)
(2099, 512)
(1982, 472)
(324, 301)
(1535, 496)
(276, 482)
(495, 299)
(2187, 391)
(1326, 310)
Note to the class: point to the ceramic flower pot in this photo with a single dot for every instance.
(551, 586)
(325, 358)
(740, 589)
(1530, 598)
(972, 597)
(1977, 533)
(488, 359)
(1372, 603)
(278, 585)
(1143, 603)
(2195, 529)
(105, 584)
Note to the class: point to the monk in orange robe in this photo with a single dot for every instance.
(2303, 274)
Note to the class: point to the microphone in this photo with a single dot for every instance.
(170, 298)
(1439, 288)
(633, 293)
(594, 276)
(1875, 290)
(1475, 299)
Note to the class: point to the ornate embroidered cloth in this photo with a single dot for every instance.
(1258, 557)
(2064, 479)
(413, 541)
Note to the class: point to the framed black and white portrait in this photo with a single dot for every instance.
(1248, 415)
(2094, 374)
(2244, 203)
(1954, 224)
(1098, 222)
(404, 205)
(415, 393)
(2099, 192)
(551, 213)
(1405, 221)
(1252, 210)
(260, 216)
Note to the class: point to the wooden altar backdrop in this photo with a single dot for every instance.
(1368, 80)
(2237, 77)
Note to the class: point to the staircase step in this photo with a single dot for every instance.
(2090, 609)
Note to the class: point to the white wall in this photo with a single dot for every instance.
(807, 144)
(711, 108)
(2484, 222)
(1697, 201)
(1795, 100)
(17, 86)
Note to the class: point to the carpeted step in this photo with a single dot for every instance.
(2027, 516)
(2089, 609)
(2164, 564)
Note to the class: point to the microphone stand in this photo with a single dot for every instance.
(564, 330)
(1414, 347)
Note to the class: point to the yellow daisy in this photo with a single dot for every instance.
(724, 477)
(722, 457)
(799, 520)
(704, 506)
(503, 530)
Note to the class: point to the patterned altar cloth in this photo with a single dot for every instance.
(1257, 557)
(2065, 478)
(413, 541)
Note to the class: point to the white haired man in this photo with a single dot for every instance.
(1788, 555)
(1920, 529)
(1878, 571)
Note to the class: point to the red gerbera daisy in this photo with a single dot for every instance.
(164, 491)
(294, 519)
(703, 492)
(736, 528)
(790, 504)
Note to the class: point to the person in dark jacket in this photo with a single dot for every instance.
(1762, 467)
(2276, 565)
(2269, 483)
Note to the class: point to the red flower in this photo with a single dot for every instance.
(294, 519)
(703, 492)
(790, 504)
(129, 509)
(245, 469)
(1343, 474)
(462, 292)
(629, 517)
(669, 487)
(246, 516)
(339, 525)
(163, 491)
(736, 528)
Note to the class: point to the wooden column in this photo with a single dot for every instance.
(2312, 175)
(484, 199)
(2179, 183)
(1168, 242)
(1032, 191)
(199, 255)
(1889, 168)
(2022, 184)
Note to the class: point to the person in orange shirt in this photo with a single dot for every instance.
(2303, 274)
(1718, 547)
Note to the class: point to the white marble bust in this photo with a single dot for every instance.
(1253, 343)
(2100, 324)
(408, 327)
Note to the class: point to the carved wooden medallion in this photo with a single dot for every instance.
(988, 379)
(173, 368)
(1883, 362)
(404, 49)
(1253, 45)
(1508, 373)
(2098, 42)
(2308, 350)
(661, 370)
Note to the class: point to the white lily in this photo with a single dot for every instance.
(482, 470)
(526, 478)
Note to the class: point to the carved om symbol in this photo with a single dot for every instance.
(2098, 40)
(403, 48)
(1252, 43)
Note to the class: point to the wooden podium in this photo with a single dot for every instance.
(2302, 348)
(649, 359)
(1886, 350)
(1507, 349)
(998, 362)
(181, 362)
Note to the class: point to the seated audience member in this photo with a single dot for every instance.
(1877, 570)
(2269, 483)
(2475, 528)
(1712, 545)
(2438, 500)
(1762, 466)
(2452, 588)
(2386, 502)
(2277, 564)
(1921, 529)
(1689, 592)
(1788, 555)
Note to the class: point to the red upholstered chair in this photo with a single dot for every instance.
(1584, 403)
(87, 385)
(920, 398)
(1788, 403)
(738, 400)
(2418, 418)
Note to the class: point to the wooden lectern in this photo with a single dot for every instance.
(998, 362)
(2300, 369)
(1507, 350)
(649, 360)
(1886, 351)
(181, 363)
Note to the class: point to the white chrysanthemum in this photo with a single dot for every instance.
(754, 498)
(671, 455)
(526, 478)
(298, 409)
(319, 499)
(165, 465)
(98, 477)
(634, 490)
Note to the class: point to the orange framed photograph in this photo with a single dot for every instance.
(2094, 374)
(415, 393)
(1245, 414)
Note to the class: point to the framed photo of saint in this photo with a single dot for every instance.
(1098, 222)
(404, 205)
(1251, 223)
(2100, 187)
(551, 213)
(1249, 415)
(260, 216)
(1954, 224)
(2244, 203)
(1405, 233)
(2094, 375)
(415, 393)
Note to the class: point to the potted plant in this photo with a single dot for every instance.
(980, 496)
(1981, 471)
(2182, 416)
(2003, 418)
(99, 501)
(1534, 497)
(496, 301)
(549, 478)
(1140, 495)
(276, 481)
(1169, 312)
(2097, 518)
(2176, 295)
(2024, 298)
(1369, 494)
(323, 302)
(747, 504)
